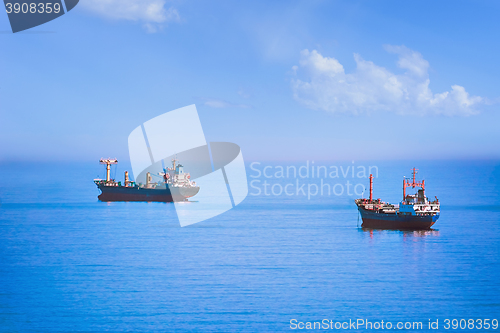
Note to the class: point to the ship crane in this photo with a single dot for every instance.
(413, 184)
(108, 162)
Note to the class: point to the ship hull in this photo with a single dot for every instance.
(377, 220)
(165, 194)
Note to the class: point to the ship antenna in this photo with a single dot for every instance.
(414, 174)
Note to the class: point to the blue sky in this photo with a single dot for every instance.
(286, 80)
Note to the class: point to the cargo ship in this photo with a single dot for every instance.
(413, 212)
(175, 186)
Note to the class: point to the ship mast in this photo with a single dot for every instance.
(173, 161)
(371, 187)
(413, 184)
(108, 163)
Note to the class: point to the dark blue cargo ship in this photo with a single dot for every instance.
(413, 212)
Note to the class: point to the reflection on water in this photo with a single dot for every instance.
(405, 233)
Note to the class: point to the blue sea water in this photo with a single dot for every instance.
(71, 263)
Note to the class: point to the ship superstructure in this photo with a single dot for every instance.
(415, 211)
(175, 185)
(175, 176)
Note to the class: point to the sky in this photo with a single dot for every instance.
(285, 80)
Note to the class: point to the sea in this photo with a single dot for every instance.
(277, 262)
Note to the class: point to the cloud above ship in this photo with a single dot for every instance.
(219, 104)
(321, 83)
(153, 14)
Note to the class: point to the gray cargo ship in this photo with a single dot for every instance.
(175, 186)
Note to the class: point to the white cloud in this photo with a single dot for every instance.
(373, 88)
(153, 13)
(217, 103)
(244, 94)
